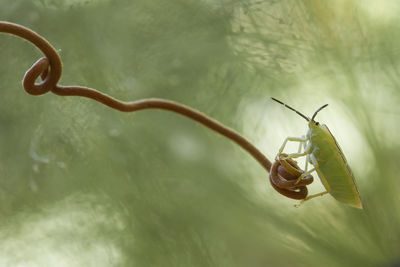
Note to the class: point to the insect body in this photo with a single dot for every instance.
(323, 152)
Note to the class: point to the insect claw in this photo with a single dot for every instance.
(300, 203)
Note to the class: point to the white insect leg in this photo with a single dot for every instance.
(328, 189)
(292, 139)
(305, 174)
(305, 153)
(307, 160)
(302, 145)
(308, 155)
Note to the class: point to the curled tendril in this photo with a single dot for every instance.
(49, 68)
(283, 178)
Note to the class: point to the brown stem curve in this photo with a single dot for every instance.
(50, 69)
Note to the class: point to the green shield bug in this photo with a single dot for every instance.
(320, 148)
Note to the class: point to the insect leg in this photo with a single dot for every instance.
(305, 153)
(304, 175)
(302, 145)
(328, 189)
(307, 147)
(312, 196)
(308, 156)
(307, 160)
(292, 139)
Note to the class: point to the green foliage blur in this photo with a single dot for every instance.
(84, 185)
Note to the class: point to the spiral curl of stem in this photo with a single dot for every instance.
(283, 178)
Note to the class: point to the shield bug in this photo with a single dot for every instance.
(321, 149)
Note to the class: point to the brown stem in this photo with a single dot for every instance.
(283, 177)
(50, 69)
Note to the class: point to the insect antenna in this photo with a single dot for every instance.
(318, 110)
(289, 107)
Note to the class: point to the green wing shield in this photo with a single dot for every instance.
(333, 169)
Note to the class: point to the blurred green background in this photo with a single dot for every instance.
(84, 185)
